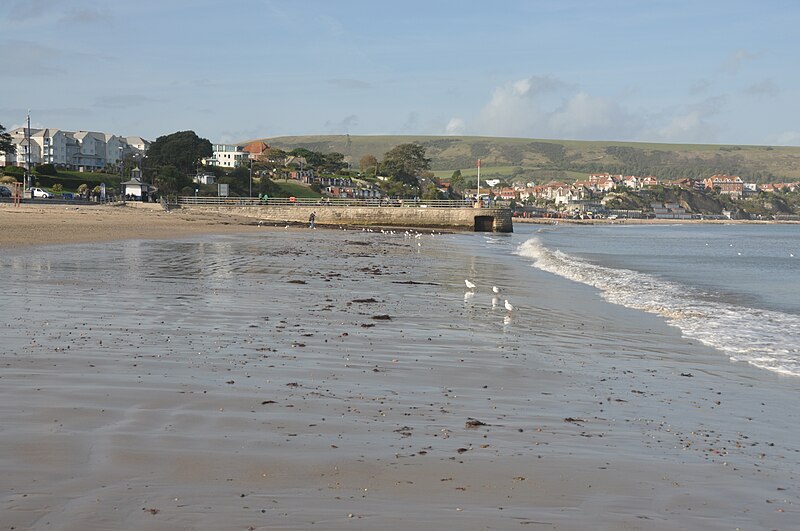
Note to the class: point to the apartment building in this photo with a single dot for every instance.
(87, 150)
(227, 156)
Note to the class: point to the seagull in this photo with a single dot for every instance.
(469, 284)
(509, 307)
(495, 289)
(495, 300)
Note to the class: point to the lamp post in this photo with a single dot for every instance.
(251, 178)
(121, 172)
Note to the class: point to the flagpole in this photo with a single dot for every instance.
(479, 182)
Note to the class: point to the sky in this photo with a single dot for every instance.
(677, 71)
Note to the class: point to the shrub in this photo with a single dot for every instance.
(46, 169)
(57, 188)
(15, 171)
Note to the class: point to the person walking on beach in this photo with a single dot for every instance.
(311, 220)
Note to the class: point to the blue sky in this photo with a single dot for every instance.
(722, 72)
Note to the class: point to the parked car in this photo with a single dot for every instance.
(5, 192)
(38, 192)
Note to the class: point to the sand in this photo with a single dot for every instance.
(35, 225)
(293, 379)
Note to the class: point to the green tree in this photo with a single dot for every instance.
(182, 150)
(171, 180)
(238, 180)
(405, 163)
(457, 183)
(313, 159)
(368, 164)
(47, 169)
(57, 188)
(333, 163)
(430, 192)
(5, 142)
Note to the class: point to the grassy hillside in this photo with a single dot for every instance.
(544, 160)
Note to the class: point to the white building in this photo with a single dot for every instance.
(227, 156)
(77, 150)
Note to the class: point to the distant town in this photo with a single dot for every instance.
(46, 156)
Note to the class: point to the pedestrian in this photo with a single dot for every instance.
(311, 220)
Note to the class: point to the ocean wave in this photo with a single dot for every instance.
(764, 338)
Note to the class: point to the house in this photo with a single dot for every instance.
(204, 178)
(24, 149)
(508, 194)
(137, 144)
(688, 184)
(52, 145)
(648, 182)
(632, 182)
(91, 150)
(730, 185)
(255, 149)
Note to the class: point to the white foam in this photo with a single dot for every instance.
(763, 338)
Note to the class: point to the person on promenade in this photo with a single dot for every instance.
(311, 220)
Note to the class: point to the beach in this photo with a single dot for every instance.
(172, 371)
(30, 224)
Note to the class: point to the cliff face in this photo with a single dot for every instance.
(694, 202)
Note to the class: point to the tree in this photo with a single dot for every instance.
(182, 150)
(457, 182)
(47, 169)
(430, 192)
(170, 180)
(404, 163)
(332, 163)
(313, 159)
(368, 164)
(5, 142)
(238, 181)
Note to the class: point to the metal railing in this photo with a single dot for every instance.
(324, 202)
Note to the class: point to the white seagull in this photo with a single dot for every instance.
(495, 289)
(509, 307)
(469, 284)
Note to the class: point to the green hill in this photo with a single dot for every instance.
(544, 160)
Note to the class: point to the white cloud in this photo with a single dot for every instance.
(527, 107)
(692, 124)
(455, 127)
(584, 115)
(510, 111)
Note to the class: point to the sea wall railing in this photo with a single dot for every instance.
(317, 202)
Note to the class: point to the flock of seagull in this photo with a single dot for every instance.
(471, 286)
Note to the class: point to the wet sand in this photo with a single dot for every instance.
(297, 379)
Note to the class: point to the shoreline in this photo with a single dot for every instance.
(30, 225)
(633, 221)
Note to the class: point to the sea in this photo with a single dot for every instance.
(733, 287)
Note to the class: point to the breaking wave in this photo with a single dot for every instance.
(764, 338)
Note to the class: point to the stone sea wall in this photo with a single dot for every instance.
(471, 219)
